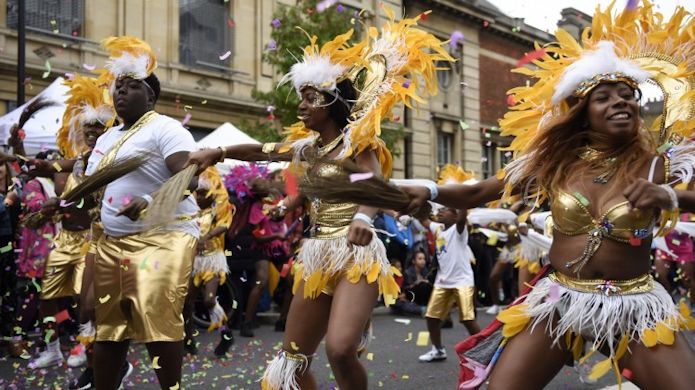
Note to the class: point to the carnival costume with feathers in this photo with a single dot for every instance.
(386, 69)
(632, 47)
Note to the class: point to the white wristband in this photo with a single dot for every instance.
(147, 198)
(672, 196)
(434, 191)
(363, 217)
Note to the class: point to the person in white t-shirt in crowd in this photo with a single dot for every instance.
(454, 283)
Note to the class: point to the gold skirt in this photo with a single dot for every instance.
(140, 285)
(65, 265)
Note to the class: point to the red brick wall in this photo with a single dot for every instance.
(495, 76)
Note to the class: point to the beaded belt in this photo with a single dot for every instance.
(638, 285)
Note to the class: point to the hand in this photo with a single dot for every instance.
(50, 207)
(133, 209)
(360, 233)
(419, 196)
(40, 168)
(202, 244)
(643, 194)
(204, 158)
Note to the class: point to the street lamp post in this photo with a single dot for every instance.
(21, 47)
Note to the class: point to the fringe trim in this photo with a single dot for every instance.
(366, 339)
(683, 161)
(280, 374)
(322, 260)
(207, 267)
(217, 316)
(604, 319)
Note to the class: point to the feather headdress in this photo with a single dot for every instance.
(88, 103)
(454, 174)
(632, 46)
(128, 56)
(388, 70)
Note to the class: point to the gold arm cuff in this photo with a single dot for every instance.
(223, 155)
(268, 147)
(638, 285)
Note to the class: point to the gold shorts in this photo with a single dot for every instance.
(65, 265)
(442, 300)
(140, 285)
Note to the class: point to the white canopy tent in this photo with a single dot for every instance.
(42, 127)
(225, 135)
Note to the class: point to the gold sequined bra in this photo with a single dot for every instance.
(619, 223)
(329, 220)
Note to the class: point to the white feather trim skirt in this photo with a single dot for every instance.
(600, 318)
(215, 263)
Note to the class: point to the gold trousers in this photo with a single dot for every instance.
(65, 265)
(443, 299)
(140, 285)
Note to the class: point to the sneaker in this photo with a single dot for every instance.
(190, 346)
(433, 355)
(84, 381)
(126, 370)
(493, 310)
(226, 341)
(78, 356)
(47, 359)
(246, 329)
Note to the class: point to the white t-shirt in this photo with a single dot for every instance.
(161, 137)
(454, 257)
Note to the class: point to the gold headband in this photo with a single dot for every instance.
(587, 86)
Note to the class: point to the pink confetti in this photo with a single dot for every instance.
(360, 176)
(534, 55)
(324, 5)
(553, 293)
(225, 55)
(70, 76)
(89, 67)
(127, 199)
(186, 119)
(63, 203)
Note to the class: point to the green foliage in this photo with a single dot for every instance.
(290, 42)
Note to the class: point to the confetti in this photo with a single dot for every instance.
(234, 304)
(510, 100)
(464, 125)
(553, 293)
(186, 119)
(422, 338)
(406, 84)
(225, 55)
(47, 73)
(186, 108)
(627, 374)
(276, 23)
(528, 57)
(404, 321)
(57, 167)
(485, 23)
(360, 176)
(423, 16)
(174, 387)
(81, 204)
(63, 203)
(227, 253)
(89, 67)
(410, 337)
(6, 248)
(370, 356)
(324, 5)
(155, 363)
(631, 4)
(105, 299)
(294, 346)
(230, 23)
(127, 199)
(204, 102)
(584, 201)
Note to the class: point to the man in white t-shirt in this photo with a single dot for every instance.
(141, 272)
(454, 283)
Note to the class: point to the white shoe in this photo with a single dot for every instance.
(493, 310)
(47, 359)
(78, 356)
(433, 355)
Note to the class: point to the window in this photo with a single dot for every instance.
(488, 159)
(445, 148)
(444, 74)
(203, 33)
(62, 17)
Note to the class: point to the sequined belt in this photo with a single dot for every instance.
(328, 232)
(638, 285)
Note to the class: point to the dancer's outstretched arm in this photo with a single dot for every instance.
(459, 196)
(244, 152)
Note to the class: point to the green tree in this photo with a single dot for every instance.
(285, 47)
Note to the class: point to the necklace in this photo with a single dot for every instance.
(596, 158)
(324, 150)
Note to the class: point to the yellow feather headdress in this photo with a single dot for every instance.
(128, 56)
(454, 174)
(386, 70)
(638, 43)
(88, 103)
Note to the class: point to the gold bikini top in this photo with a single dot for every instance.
(329, 220)
(620, 223)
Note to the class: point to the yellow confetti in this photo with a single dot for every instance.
(381, 384)
(174, 387)
(227, 253)
(155, 363)
(405, 377)
(422, 339)
(410, 337)
(234, 304)
(186, 108)
(105, 299)
(294, 346)
(204, 101)
(57, 167)
(370, 356)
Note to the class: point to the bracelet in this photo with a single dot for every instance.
(363, 217)
(434, 190)
(268, 147)
(672, 195)
(147, 198)
(223, 155)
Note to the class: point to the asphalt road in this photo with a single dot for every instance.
(393, 364)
